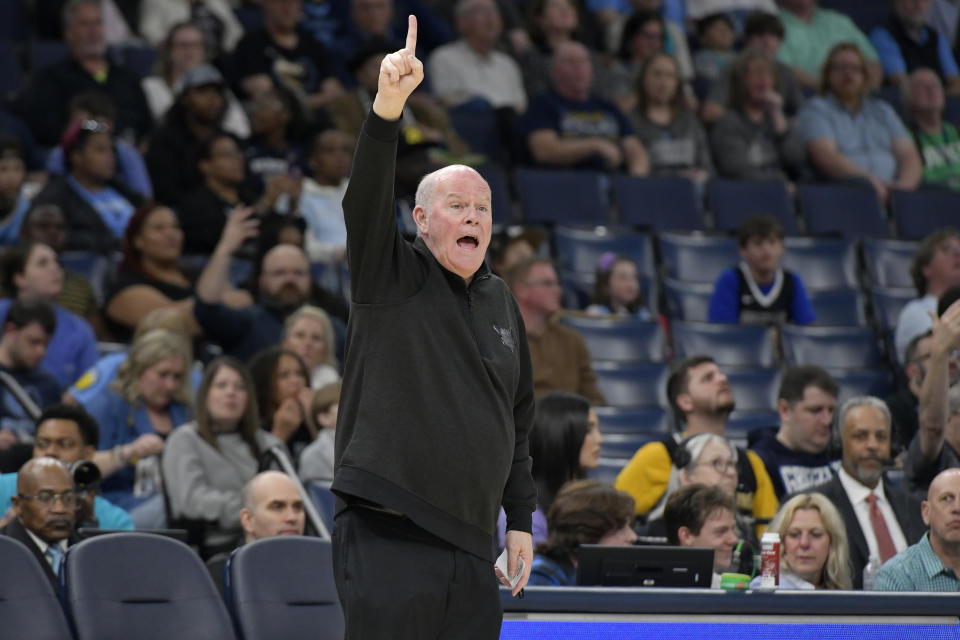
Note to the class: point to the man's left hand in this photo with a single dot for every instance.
(519, 544)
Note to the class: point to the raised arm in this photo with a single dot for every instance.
(933, 393)
(213, 282)
(400, 73)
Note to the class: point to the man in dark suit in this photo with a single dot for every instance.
(881, 520)
(45, 505)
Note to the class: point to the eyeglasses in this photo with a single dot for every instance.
(47, 498)
(95, 126)
(721, 466)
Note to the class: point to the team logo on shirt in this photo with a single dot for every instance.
(506, 337)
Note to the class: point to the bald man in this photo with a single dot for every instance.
(45, 506)
(933, 563)
(272, 506)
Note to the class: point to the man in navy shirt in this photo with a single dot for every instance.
(797, 456)
(758, 290)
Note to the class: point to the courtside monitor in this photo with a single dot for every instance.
(644, 566)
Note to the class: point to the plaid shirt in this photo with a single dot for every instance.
(917, 568)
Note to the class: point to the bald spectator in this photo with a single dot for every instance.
(937, 140)
(561, 361)
(850, 136)
(570, 128)
(934, 269)
(811, 32)
(45, 506)
(272, 506)
(907, 42)
(44, 102)
(471, 68)
(932, 564)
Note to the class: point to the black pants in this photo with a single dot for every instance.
(397, 581)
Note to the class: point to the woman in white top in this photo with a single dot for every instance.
(309, 333)
(182, 50)
(206, 462)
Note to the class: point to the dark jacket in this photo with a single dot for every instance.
(905, 507)
(17, 531)
(437, 399)
(87, 229)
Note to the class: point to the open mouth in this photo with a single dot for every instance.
(468, 242)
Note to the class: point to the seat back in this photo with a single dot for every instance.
(579, 248)
(696, 258)
(283, 587)
(888, 261)
(620, 339)
(138, 585)
(733, 201)
(561, 197)
(847, 211)
(687, 300)
(921, 212)
(632, 420)
(862, 382)
(28, 606)
(822, 263)
(501, 201)
(831, 347)
(887, 304)
(635, 384)
(738, 345)
(754, 389)
(657, 203)
(839, 308)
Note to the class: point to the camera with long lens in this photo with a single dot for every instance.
(86, 475)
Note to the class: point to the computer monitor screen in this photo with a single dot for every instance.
(644, 566)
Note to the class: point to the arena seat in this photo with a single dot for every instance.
(732, 201)
(754, 388)
(622, 446)
(657, 203)
(324, 500)
(866, 15)
(741, 423)
(144, 586)
(632, 420)
(887, 304)
(579, 248)
(46, 52)
(28, 605)
(501, 201)
(480, 129)
(831, 347)
(696, 257)
(635, 384)
(843, 210)
(283, 587)
(687, 300)
(888, 261)
(839, 308)
(921, 212)
(11, 81)
(822, 263)
(738, 345)
(622, 339)
(862, 382)
(561, 197)
(607, 470)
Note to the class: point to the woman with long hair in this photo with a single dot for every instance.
(308, 332)
(284, 396)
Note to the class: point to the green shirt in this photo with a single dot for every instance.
(916, 568)
(941, 155)
(806, 44)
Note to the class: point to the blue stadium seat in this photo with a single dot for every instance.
(888, 261)
(755, 389)
(46, 52)
(139, 585)
(887, 304)
(822, 263)
(696, 257)
(919, 213)
(729, 344)
(324, 500)
(866, 15)
(843, 210)
(657, 203)
(607, 470)
(831, 347)
(687, 300)
(862, 382)
(579, 248)
(480, 129)
(632, 420)
(732, 201)
(741, 423)
(839, 308)
(624, 445)
(28, 605)
(620, 339)
(499, 192)
(283, 587)
(635, 384)
(951, 111)
(561, 197)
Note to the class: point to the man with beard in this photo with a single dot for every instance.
(283, 287)
(850, 136)
(45, 505)
(880, 519)
(933, 563)
(701, 400)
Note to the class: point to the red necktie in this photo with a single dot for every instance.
(884, 540)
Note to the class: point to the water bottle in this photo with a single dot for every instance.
(870, 573)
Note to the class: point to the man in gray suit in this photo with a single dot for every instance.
(881, 520)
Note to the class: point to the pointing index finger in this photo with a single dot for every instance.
(412, 34)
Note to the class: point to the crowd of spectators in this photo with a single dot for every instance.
(204, 196)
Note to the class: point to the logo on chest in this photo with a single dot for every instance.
(506, 337)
